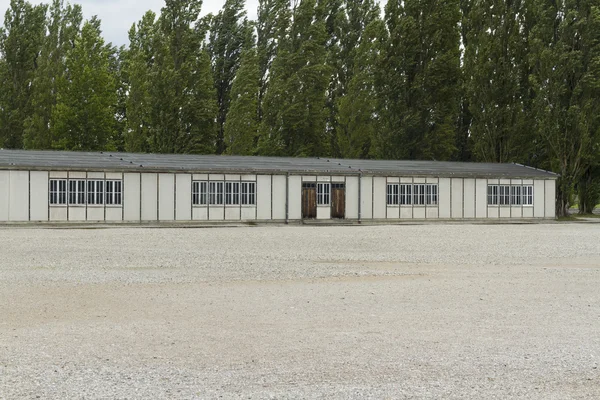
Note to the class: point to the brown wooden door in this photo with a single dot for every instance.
(309, 200)
(338, 201)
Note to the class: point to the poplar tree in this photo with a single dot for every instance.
(241, 126)
(84, 116)
(420, 80)
(21, 40)
(229, 33)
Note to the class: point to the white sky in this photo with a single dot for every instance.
(118, 15)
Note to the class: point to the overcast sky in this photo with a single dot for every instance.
(118, 15)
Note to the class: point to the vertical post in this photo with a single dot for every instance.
(287, 197)
(359, 197)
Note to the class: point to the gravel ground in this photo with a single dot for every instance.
(415, 312)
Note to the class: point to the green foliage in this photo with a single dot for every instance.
(241, 126)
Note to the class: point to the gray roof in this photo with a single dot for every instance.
(113, 161)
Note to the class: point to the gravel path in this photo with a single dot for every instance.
(415, 312)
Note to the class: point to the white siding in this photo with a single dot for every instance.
(216, 213)
(183, 198)
(352, 197)
(77, 213)
(366, 197)
(200, 213)
(4, 194)
(515, 212)
(279, 196)
(379, 197)
(38, 196)
(295, 198)
(432, 212)
(393, 212)
(60, 214)
(469, 198)
(457, 198)
(406, 212)
(19, 196)
(248, 213)
(95, 213)
(504, 211)
(419, 212)
(538, 199)
(114, 213)
(149, 197)
(263, 197)
(131, 197)
(550, 198)
(233, 213)
(444, 198)
(324, 212)
(481, 196)
(166, 197)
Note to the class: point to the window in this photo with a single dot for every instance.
(248, 193)
(432, 194)
(392, 194)
(504, 192)
(215, 194)
(527, 195)
(515, 195)
(77, 192)
(493, 195)
(95, 192)
(199, 193)
(405, 194)
(419, 194)
(58, 191)
(114, 190)
(323, 190)
(232, 193)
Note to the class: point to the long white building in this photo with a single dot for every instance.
(53, 186)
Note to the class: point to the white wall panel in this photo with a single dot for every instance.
(62, 174)
(200, 213)
(481, 196)
(515, 212)
(366, 197)
(406, 212)
(419, 180)
(231, 177)
(432, 212)
(550, 199)
(131, 197)
(337, 179)
(527, 212)
(114, 213)
(248, 213)
(95, 175)
(444, 198)
(5, 194)
(149, 197)
(379, 197)
(323, 178)
(493, 212)
(295, 198)
(457, 198)
(166, 197)
(538, 199)
(216, 213)
(38, 195)
(393, 212)
(19, 196)
(77, 214)
(263, 197)
(183, 198)
(60, 213)
(419, 212)
(200, 177)
(233, 213)
(504, 212)
(114, 175)
(251, 178)
(279, 196)
(216, 177)
(352, 197)
(469, 198)
(95, 213)
(324, 212)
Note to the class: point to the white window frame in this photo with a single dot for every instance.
(113, 190)
(215, 193)
(432, 194)
(57, 192)
(199, 193)
(95, 192)
(492, 195)
(515, 195)
(248, 193)
(527, 195)
(77, 192)
(232, 193)
(405, 196)
(393, 194)
(419, 194)
(504, 195)
(323, 193)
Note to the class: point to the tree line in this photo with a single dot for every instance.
(480, 80)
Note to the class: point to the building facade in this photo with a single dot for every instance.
(48, 186)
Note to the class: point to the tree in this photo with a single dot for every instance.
(229, 34)
(565, 56)
(241, 126)
(420, 80)
(358, 116)
(20, 43)
(295, 114)
(497, 89)
(64, 26)
(84, 116)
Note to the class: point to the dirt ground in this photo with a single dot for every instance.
(399, 312)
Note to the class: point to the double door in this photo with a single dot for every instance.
(335, 197)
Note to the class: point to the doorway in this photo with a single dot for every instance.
(338, 200)
(309, 200)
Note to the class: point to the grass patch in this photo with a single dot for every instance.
(586, 215)
(567, 218)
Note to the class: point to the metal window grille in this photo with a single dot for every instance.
(419, 194)
(432, 194)
(528, 195)
(392, 194)
(323, 193)
(58, 191)
(405, 194)
(248, 193)
(493, 195)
